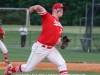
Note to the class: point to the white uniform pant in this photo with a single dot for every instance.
(38, 53)
(3, 47)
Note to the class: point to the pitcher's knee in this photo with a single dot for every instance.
(62, 66)
(26, 69)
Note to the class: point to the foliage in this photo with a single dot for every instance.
(76, 9)
(13, 17)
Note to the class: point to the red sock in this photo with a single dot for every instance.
(16, 69)
(6, 56)
(63, 72)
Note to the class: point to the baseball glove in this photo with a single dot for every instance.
(65, 41)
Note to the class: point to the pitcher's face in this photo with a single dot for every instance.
(59, 12)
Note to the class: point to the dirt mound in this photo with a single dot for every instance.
(50, 66)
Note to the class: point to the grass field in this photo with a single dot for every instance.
(75, 54)
(67, 29)
(53, 72)
(22, 54)
(12, 37)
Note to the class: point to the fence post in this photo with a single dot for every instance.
(75, 40)
(30, 38)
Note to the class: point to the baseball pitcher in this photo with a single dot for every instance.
(50, 36)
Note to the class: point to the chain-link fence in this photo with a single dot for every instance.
(91, 36)
(12, 39)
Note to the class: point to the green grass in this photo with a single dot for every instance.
(53, 72)
(16, 28)
(73, 53)
(68, 29)
(70, 55)
(80, 56)
(12, 37)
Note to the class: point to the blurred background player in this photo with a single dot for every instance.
(23, 32)
(50, 36)
(2, 46)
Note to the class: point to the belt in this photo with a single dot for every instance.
(44, 46)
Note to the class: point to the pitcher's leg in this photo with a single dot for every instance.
(29, 66)
(31, 63)
(56, 58)
(37, 55)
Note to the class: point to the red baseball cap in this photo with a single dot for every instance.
(59, 5)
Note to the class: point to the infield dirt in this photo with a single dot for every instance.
(94, 67)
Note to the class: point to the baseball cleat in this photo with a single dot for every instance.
(7, 72)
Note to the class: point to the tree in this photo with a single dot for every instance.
(76, 9)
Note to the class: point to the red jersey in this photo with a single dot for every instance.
(51, 29)
(1, 30)
(1, 33)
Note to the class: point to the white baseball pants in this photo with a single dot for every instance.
(38, 53)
